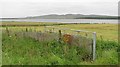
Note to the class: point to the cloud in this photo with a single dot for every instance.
(23, 8)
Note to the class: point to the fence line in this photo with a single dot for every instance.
(93, 38)
(52, 29)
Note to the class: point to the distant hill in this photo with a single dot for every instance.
(73, 16)
(68, 16)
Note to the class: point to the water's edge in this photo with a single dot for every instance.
(111, 21)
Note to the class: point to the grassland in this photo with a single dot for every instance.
(24, 50)
(106, 31)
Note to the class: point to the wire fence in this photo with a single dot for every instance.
(81, 38)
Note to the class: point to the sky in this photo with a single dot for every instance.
(24, 8)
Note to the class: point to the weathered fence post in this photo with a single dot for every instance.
(101, 37)
(86, 34)
(15, 36)
(50, 31)
(7, 31)
(94, 45)
(53, 29)
(60, 35)
(26, 29)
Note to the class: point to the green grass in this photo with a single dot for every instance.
(29, 51)
(24, 50)
(106, 31)
(0, 47)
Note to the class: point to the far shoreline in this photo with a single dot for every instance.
(19, 23)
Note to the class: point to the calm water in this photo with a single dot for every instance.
(66, 20)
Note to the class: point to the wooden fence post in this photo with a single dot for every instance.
(60, 35)
(86, 34)
(53, 29)
(94, 46)
(7, 31)
(26, 29)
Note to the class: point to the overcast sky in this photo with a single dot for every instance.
(23, 8)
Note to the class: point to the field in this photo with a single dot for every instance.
(25, 50)
(107, 31)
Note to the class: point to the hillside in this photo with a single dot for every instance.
(73, 16)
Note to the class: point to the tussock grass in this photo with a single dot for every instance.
(27, 50)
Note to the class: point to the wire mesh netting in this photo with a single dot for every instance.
(83, 39)
(71, 37)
